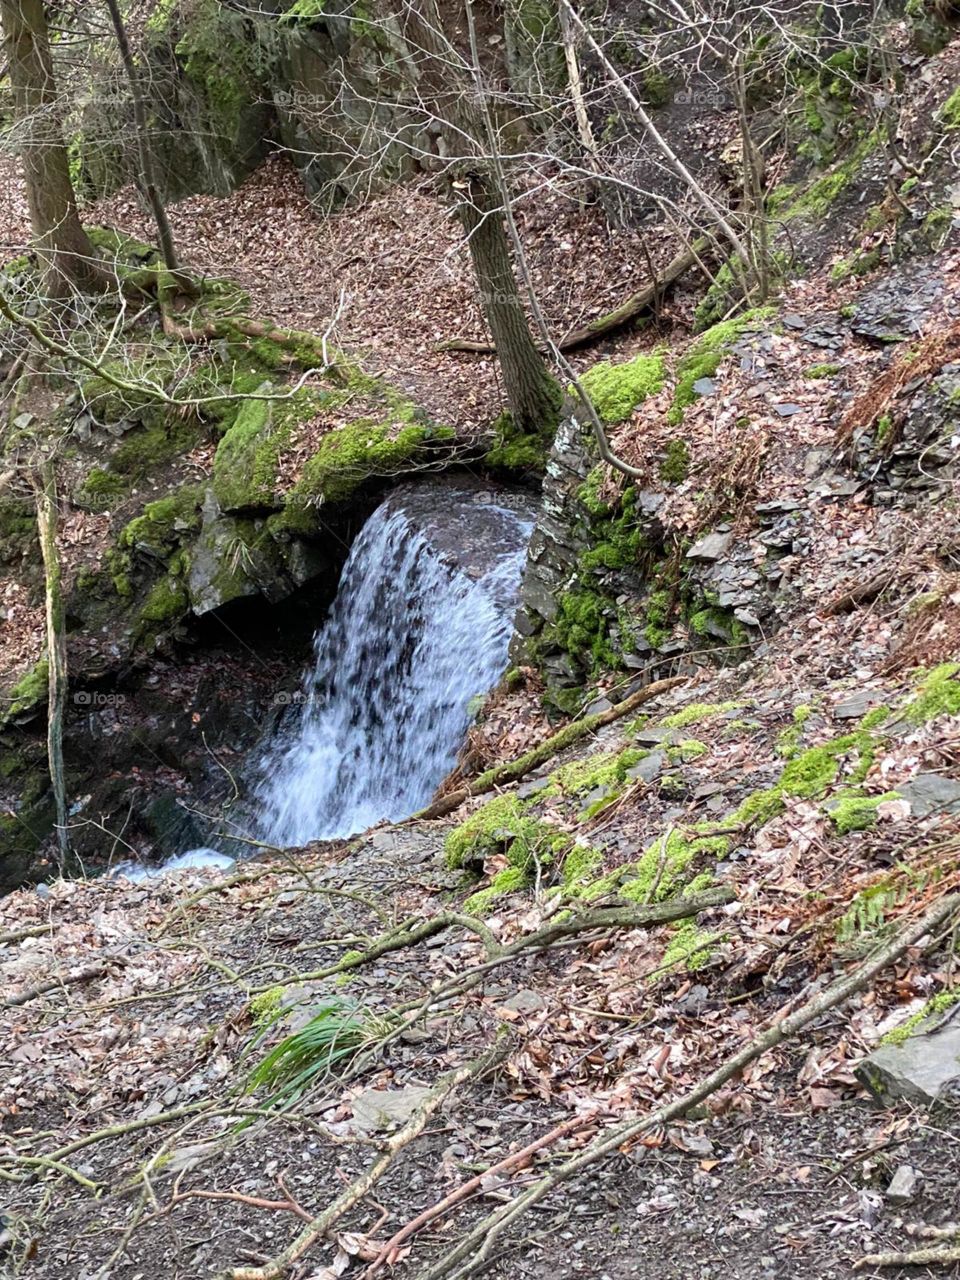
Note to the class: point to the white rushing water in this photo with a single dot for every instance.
(416, 632)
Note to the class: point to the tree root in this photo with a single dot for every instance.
(514, 770)
(474, 1248)
(644, 298)
(361, 1185)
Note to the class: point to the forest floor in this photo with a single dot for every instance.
(148, 1005)
(132, 1145)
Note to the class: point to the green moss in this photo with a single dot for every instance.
(588, 495)
(697, 713)
(788, 740)
(822, 370)
(617, 538)
(690, 946)
(167, 603)
(356, 453)
(146, 449)
(264, 1008)
(687, 750)
(581, 628)
(940, 1004)
(517, 451)
(247, 460)
(616, 390)
(29, 691)
(503, 826)
(601, 770)
(509, 880)
(163, 524)
(939, 695)
(100, 490)
(580, 864)
(818, 198)
(661, 871)
(808, 775)
(855, 811)
(949, 113)
(938, 224)
(676, 464)
(704, 357)
(860, 263)
(876, 717)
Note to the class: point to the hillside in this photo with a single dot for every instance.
(658, 976)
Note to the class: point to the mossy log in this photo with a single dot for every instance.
(514, 770)
(645, 298)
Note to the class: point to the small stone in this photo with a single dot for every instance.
(923, 1069)
(525, 1001)
(787, 409)
(704, 386)
(931, 793)
(711, 547)
(857, 705)
(745, 616)
(903, 1185)
(648, 768)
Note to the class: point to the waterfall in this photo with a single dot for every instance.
(419, 628)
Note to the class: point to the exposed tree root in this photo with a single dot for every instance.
(514, 770)
(604, 918)
(360, 1186)
(640, 301)
(474, 1248)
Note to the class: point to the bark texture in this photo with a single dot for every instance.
(60, 241)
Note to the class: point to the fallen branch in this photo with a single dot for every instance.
(18, 935)
(474, 1247)
(518, 1160)
(918, 1258)
(361, 1185)
(54, 984)
(615, 319)
(514, 770)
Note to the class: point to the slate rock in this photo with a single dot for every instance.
(923, 1069)
(903, 1185)
(379, 1109)
(931, 793)
(711, 547)
(857, 705)
(648, 768)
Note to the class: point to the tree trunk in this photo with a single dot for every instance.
(60, 241)
(46, 497)
(144, 155)
(533, 395)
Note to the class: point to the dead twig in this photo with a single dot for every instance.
(360, 1186)
(54, 984)
(915, 1258)
(518, 1160)
(474, 1247)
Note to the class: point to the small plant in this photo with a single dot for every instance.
(338, 1031)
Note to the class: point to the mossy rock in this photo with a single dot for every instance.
(616, 390)
(352, 455)
(27, 695)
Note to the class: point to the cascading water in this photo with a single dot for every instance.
(416, 632)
